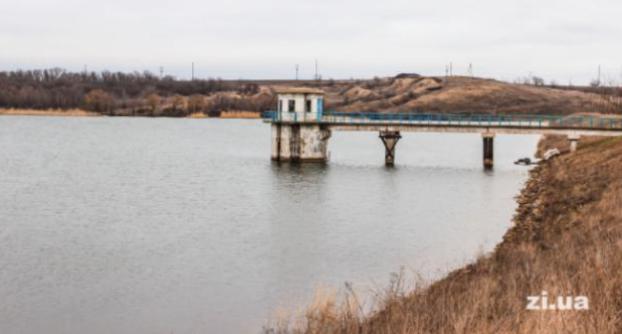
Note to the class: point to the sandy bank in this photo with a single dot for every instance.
(240, 114)
(48, 112)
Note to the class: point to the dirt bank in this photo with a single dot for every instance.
(566, 240)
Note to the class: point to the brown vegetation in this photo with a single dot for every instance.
(123, 94)
(566, 240)
(144, 94)
(48, 112)
(238, 114)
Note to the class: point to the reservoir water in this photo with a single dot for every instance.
(137, 225)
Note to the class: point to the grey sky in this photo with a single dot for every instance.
(561, 40)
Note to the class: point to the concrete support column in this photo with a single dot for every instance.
(300, 142)
(574, 140)
(389, 139)
(276, 142)
(488, 138)
(313, 142)
(284, 143)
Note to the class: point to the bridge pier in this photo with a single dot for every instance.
(303, 142)
(488, 138)
(389, 139)
(574, 140)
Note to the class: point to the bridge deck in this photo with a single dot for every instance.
(426, 122)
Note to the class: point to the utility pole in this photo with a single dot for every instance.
(297, 68)
(161, 72)
(317, 77)
(451, 69)
(599, 74)
(471, 69)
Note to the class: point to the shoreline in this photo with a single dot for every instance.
(85, 113)
(48, 112)
(566, 240)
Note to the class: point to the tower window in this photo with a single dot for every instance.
(307, 105)
(291, 105)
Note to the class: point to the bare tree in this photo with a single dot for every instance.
(98, 100)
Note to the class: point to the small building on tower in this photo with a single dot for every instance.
(299, 104)
(298, 133)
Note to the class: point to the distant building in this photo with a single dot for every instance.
(300, 104)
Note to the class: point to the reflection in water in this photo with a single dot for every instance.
(185, 226)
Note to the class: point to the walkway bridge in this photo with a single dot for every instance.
(301, 128)
(390, 125)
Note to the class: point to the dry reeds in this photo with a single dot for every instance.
(47, 112)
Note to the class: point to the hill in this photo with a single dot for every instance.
(463, 95)
(144, 94)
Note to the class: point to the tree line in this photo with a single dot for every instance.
(117, 93)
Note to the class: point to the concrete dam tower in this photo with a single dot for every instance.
(297, 130)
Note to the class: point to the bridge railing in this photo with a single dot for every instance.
(596, 122)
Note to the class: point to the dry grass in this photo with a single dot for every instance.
(461, 94)
(239, 114)
(48, 112)
(566, 240)
(197, 115)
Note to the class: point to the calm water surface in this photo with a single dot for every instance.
(133, 225)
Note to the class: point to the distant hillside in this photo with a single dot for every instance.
(463, 95)
(144, 94)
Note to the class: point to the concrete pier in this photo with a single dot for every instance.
(276, 141)
(574, 140)
(304, 142)
(389, 139)
(488, 139)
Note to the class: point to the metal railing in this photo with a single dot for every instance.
(595, 122)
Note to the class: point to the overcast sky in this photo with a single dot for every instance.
(560, 40)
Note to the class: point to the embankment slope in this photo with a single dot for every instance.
(566, 240)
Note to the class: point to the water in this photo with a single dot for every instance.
(131, 225)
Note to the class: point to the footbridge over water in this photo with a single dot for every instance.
(301, 129)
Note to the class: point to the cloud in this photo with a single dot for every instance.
(242, 38)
